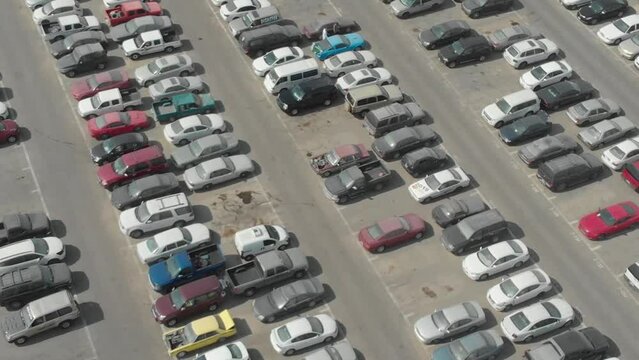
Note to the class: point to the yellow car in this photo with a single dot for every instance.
(199, 333)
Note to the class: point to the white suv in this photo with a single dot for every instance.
(156, 214)
(168, 242)
(530, 51)
(511, 107)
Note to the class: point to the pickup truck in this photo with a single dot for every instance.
(183, 105)
(341, 157)
(266, 269)
(356, 181)
(199, 333)
(150, 42)
(124, 12)
(107, 101)
(586, 343)
(185, 266)
(67, 25)
(18, 226)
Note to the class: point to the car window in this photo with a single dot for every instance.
(170, 247)
(183, 210)
(296, 77)
(65, 310)
(164, 215)
(50, 316)
(38, 321)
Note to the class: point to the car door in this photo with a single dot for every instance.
(632, 156)
(220, 176)
(502, 264)
(525, 294)
(544, 326)
(448, 186)
(304, 340)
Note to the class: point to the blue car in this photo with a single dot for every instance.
(337, 44)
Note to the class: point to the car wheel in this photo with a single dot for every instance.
(294, 112)
(101, 66)
(65, 324)
(185, 73)
(183, 142)
(554, 107)
(249, 292)
(378, 187)
(104, 136)
(213, 307)
(522, 64)
(71, 73)
(474, 15)
(482, 58)
(341, 74)
(312, 304)
(472, 329)
(208, 111)
(12, 139)
(507, 307)
(181, 354)
(419, 236)
(370, 66)
(452, 64)
(244, 175)
(499, 124)
(342, 199)
(380, 249)
(551, 57)
(135, 56)
(300, 274)
(282, 247)
(269, 319)
(327, 102)
(592, 22)
(171, 322)
(568, 324)
(561, 187)
(289, 352)
(359, 48)
(417, 122)
(483, 277)
(14, 305)
(328, 340)
(248, 257)
(21, 340)
(137, 234)
(617, 42)
(168, 50)
(179, 223)
(151, 82)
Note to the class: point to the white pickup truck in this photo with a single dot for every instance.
(109, 101)
(67, 25)
(150, 42)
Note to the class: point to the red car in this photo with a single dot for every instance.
(630, 175)
(340, 158)
(392, 231)
(9, 131)
(131, 166)
(124, 12)
(196, 297)
(91, 85)
(609, 221)
(116, 123)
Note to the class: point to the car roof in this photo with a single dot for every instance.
(210, 166)
(189, 121)
(455, 173)
(622, 209)
(284, 51)
(144, 154)
(538, 311)
(205, 325)
(631, 19)
(529, 277)
(113, 75)
(552, 66)
(88, 49)
(200, 287)
(304, 286)
(508, 247)
(390, 224)
(514, 30)
(335, 40)
(366, 91)
(350, 150)
(49, 303)
(17, 248)
(298, 327)
(526, 45)
(464, 310)
(173, 59)
(168, 201)
(181, 99)
(628, 145)
(454, 24)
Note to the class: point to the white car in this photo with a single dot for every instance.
(156, 214)
(340, 64)
(439, 184)
(538, 319)
(37, 251)
(623, 153)
(619, 30)
(495, 258)
(358, 78)
(56, 8)
(303, 332)
(219, 3)
(341, 350)
(231, 351)
(259, 239)
(519, 288)
(526, 52)
(217, 171)
(632, 275)
(546, 74)
(284, 55)
(162, 245)
(234, 9)
(574, 4)
(176, 85)
(189, 128)
(4, 111)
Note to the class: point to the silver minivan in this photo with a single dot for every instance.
(52, 311)
(286, 76)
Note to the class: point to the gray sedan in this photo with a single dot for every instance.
(453, 210)
(629, 48)
(205, 148)
(300, 294)
(148, 187)
(396, 143)
(341, 350)
(65, 46)
(135, 27)
(482, 345)
(175, 86)
(547, 148)
(453, 320)
(606, 131)
(593, 110)
(164, 67)
(217, 171)
(503, 38)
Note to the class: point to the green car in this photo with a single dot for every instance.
(183, 105)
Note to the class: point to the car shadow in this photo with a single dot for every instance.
(329, 294)
(6, 94)
(113, 62)
(556, 128)
(202, 214)
(314, 266)
(513, 231)
(508, 350)
(254, 354)
(243, 148)
(187, 45)
(198, 69)
(91, 312)
(80, 282)
(293, 240)
(72, 254)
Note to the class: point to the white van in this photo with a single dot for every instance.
(511, 107)
(285, 76)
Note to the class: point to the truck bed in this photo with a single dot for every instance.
(207, 256)
(174, 339)
(131, 96)
(374, 171)
(162, 109)
(244, 274)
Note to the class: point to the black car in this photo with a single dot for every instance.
(477, 8)
(569, 170)
(473, 48)
(65, 46)
(307, 94)
(145, 188)
(258, 41)
(564, 93)
(19, 226)
(601, 10)
(424, 160)
(454, 210)
(398, 142)
(547, 148)
(82, 59)
(301, 294)
(112, 148)
(583, 344)
(526, 128)
(23, 284)
(444, 34)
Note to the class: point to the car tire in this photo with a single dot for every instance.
(380, 249)
(419, 236)
(483, 277)
(617, 42)
(417, 122)
(341, 74)
(179, 223)
(269, 319)
(169, 50)
(312, 304)
(294, 112)
(521, 65)
(289, 352)
(213, 307)
(185, 73)
(250, 292)
(282, 247)
(183, 142)
(482, 58)
(11, 139)
(568, 324)
(54, 261)
(507, 308)
(151, 82)
(171, 322)
(71, 73)
(518, 265)
(529, 113)
(244, 175)
(65, 324)
(14, 305)
(327, 102)
(135, 56)
(136, 234)
(260, 53)
(328, 340)
(300, 274)
(181, 355)
(474, 15)
(499, 124)
(342, 199)
(452, 64)
(561, 187)
(21, 340)
(208, 111)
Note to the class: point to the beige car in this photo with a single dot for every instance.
(361, 100)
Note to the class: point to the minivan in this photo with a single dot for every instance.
(511, 107)
(255, 19)
(569, 170)
(391, 117)
(361, 100)
(156, 214)
(474, 231)
(133, 165)
(55, 310)
(258, 41)
(285, 76)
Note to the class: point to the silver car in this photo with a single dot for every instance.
(139, 25)
(503, 38)
(340, 350)
(174, 86)
(217, 171)
(629, 48)
(403, 8)
(538, 319)
(606, 131)
(205, 148)
(481, 345)
(547, 148)
(164, 67)
(593, 110)
(450, 321)
(65, 46)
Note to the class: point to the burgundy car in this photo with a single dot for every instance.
(392, 231)
(131, 166)
(340, 158)
(9, 131)
(196, 297)
(91, 85)
(116, 123)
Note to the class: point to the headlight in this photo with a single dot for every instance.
(285, 106)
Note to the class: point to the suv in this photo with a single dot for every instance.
(391, 117)
(511, 107)
(55, 310)
(307, 94)
(569, 170)
(473, 48)
(586, 343)
(31, 282)
(258, 41)
(82, 59)
(361, 100)
(130, 166)
(474, 231)
(205, 294)
(156, 214)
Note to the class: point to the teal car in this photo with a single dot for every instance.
(337, 44)
(183, 105)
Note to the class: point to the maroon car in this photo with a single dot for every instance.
(131, 166)
(9, 131)
(91, 85)
(196, 297)
(392, 231)
(340, 158)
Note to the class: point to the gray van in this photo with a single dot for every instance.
(474, 231)
(255, 19)
(569, 170)
(55, 310)
(391, 117)
(256, 42)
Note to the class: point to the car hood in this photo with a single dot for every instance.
(592, 225)
(13, 324)
(242, 163)
(420, 189)
(80, 89)
(143, 74)
(119, 32)
(164, 307)
(84, 106)
(397, 6)
(427, 36)
(528, 79)
(472, 265)
(493, 113)
(57, 47)
(509, 329)
(159, 275)
(183, 156)
(439, 215)
(334, 185)
(97, 152)
(129, 45)
(66, 62)
(427, 328)
(610, 32)
(628, 46)
(61, 274)
(106, 174)
(120, 196)
(262, 306)
(443, 353)
(508, 133)
(586, 12)
(38, 14)
(260, 65)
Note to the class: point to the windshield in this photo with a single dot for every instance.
(272, 76)
(48, 8)
(153, 68)
(119, 166)
(321, 46)
(580, 109)
(26, 315)
(375, 232)
(40, 246)
(189, 334)
(332, 157)
(172, 267)
(335, 61)
(152, 245)
(596, 7)
(606, 217)
(68, 42)
(509, 288)
(133, 189)
(458, 48)
(142, 213)
(486, 257)
(349, 78)
(621, 25)
(499, 35)
(107, 145)
(95, 102)
(593, 130)
(440, 320)
(138, 41)
(458, 349)
(246, 19)
(270, 58)
(196, 148)
(201, 173)
(519, 320)
(283, 333)
(432, 182)
(177, 127)
(177, 299)
(503, 105)
(407, 3)
(298, 93)
(278, 298)
(616, 152)
(538, 73)
(438, 31)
